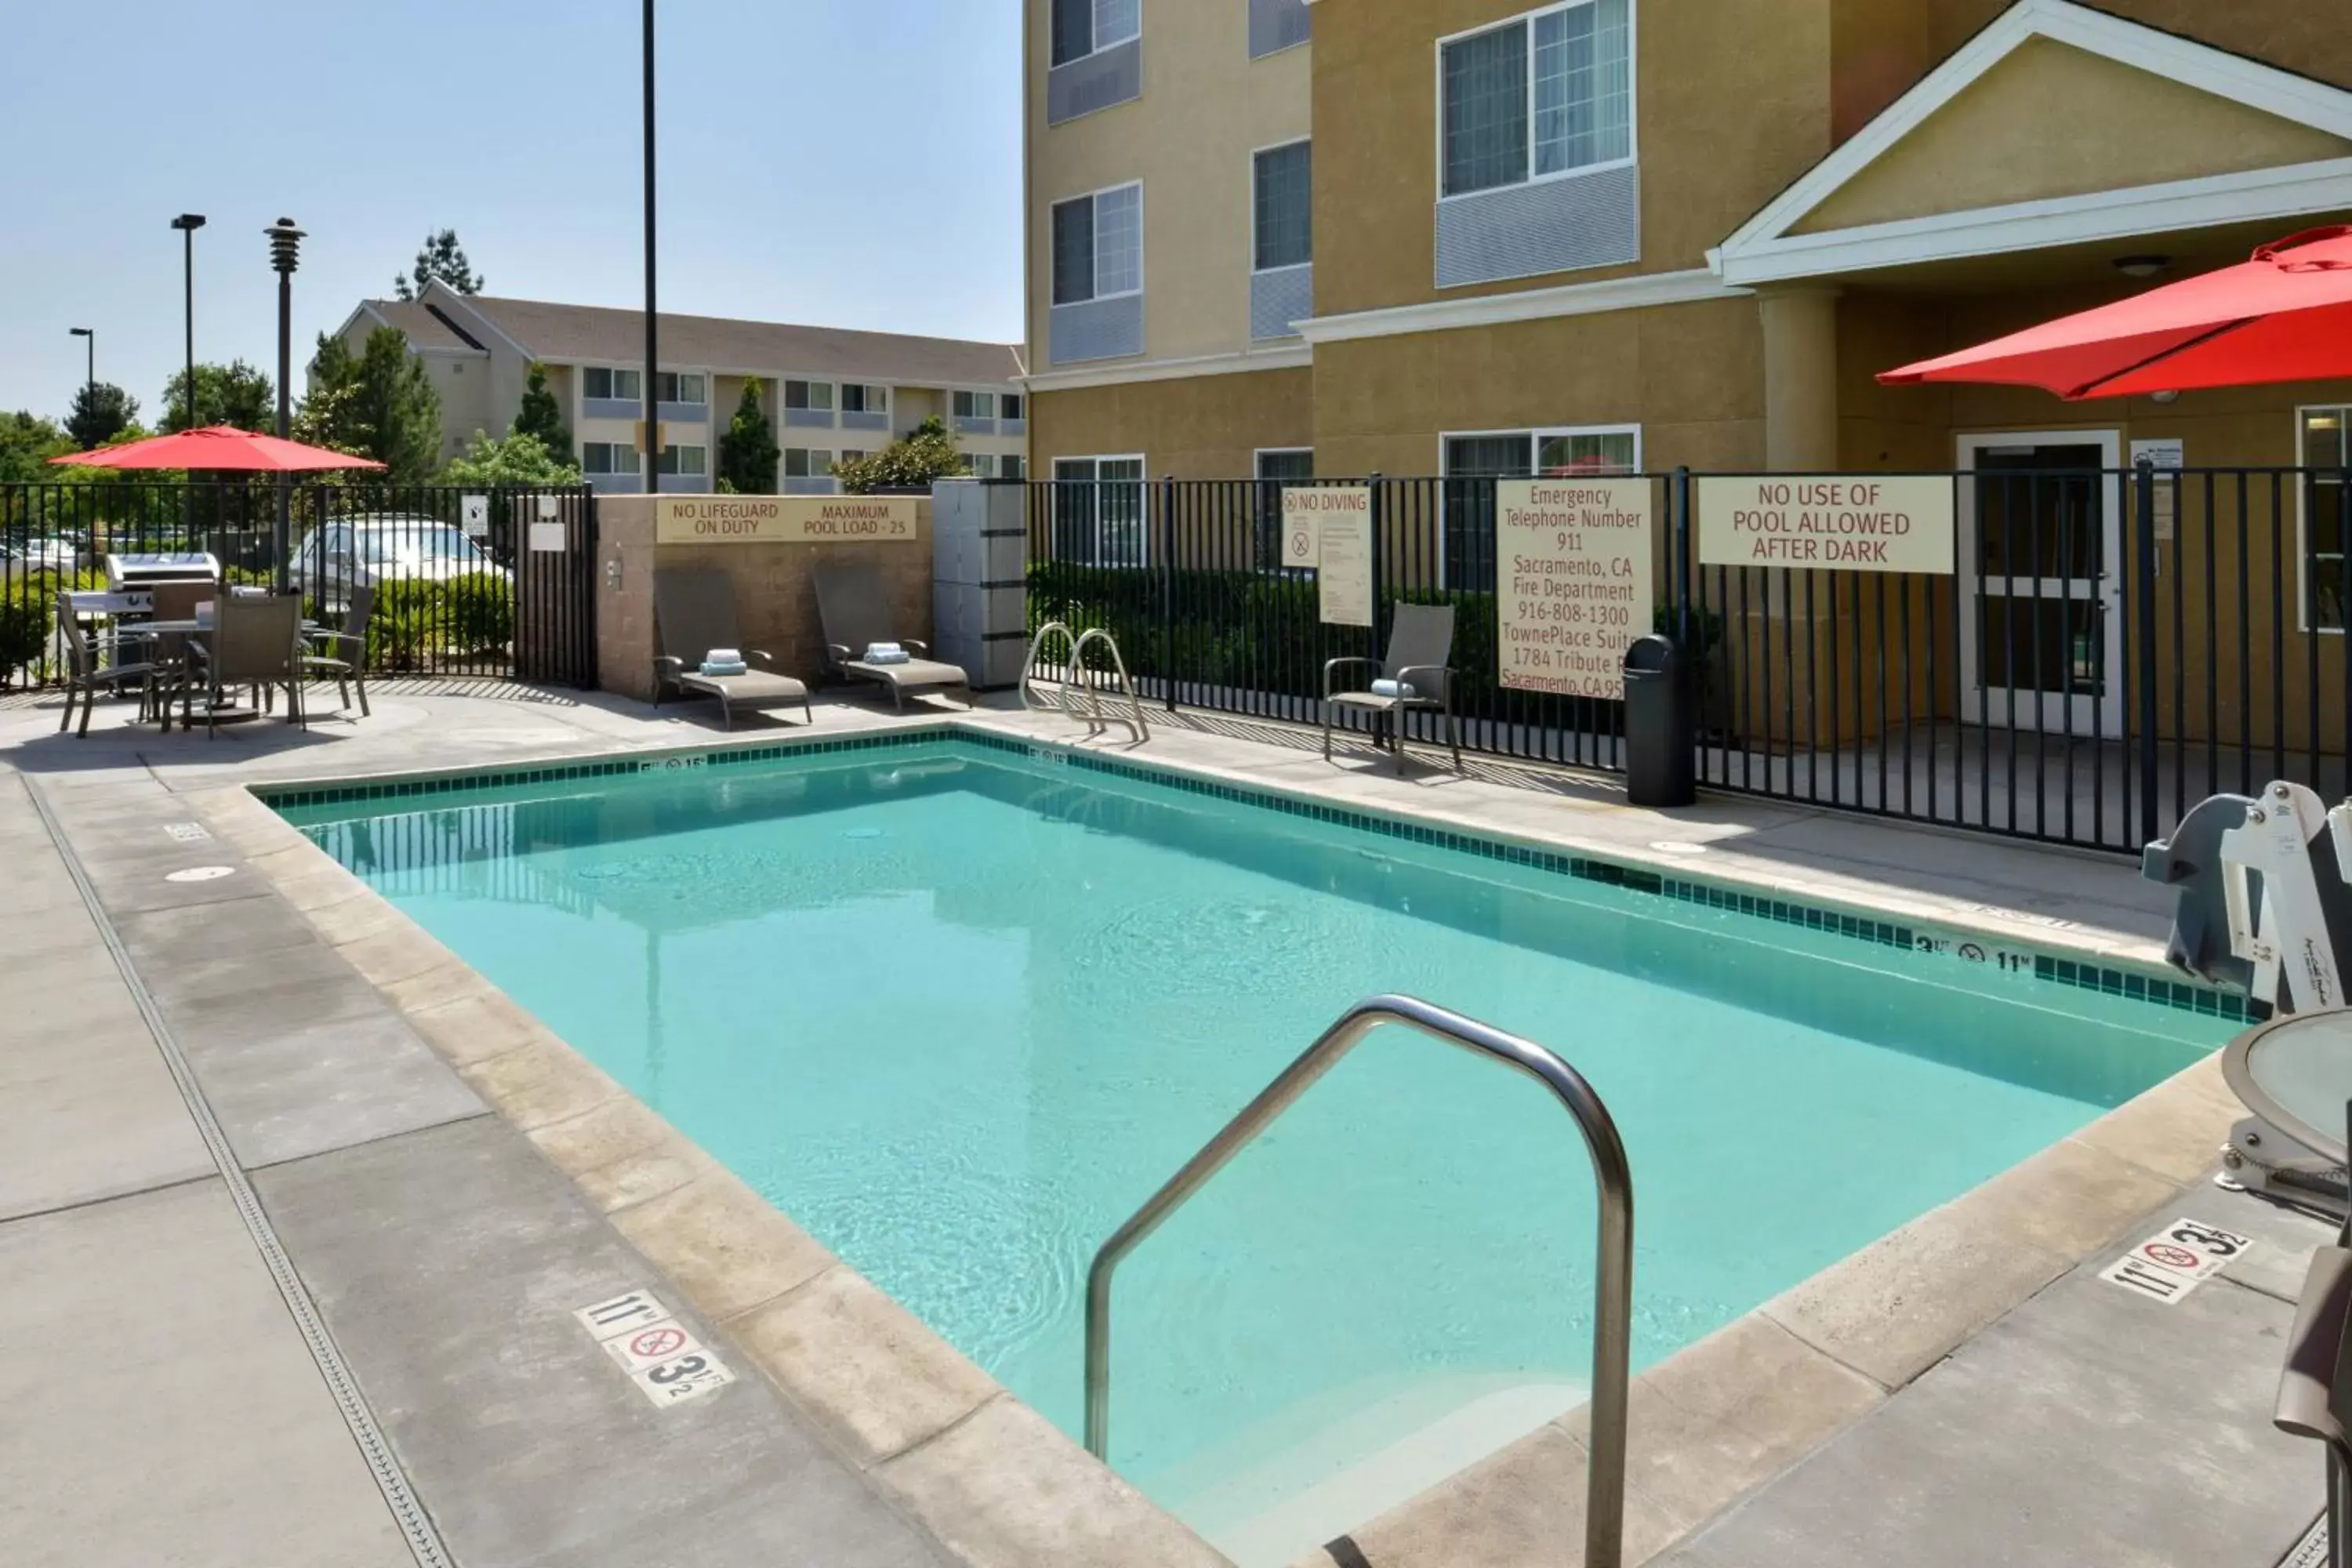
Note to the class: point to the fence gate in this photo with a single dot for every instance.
(494, 584)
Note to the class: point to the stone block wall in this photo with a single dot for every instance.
(775, 592)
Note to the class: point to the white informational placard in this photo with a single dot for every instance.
(2167, 457)
(1303, 509)
(476, 516)
(1849, 522)
(1343, 556)
(548, 538)
(550, 509)
(1577, 582)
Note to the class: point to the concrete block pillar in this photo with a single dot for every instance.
(1800, 404)
(979, 584)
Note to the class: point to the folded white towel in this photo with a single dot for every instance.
(886, 653)
(723, 656)
(720, 671)
(1397, 689)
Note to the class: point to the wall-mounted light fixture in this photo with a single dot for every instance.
(2141, 266)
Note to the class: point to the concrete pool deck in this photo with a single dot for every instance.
(2027, 1414)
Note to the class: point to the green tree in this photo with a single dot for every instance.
(543, 416)
(440, 257)
(234, 393)
(27, 442)
(378, 404)
(518, 458)
(101, 410)
(926, 453)
(747, 452)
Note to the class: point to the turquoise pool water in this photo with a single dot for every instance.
(959, 1010)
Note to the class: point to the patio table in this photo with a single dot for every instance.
(2295, 1073)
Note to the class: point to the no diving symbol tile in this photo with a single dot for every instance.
(2177, 1260)
(665, 1360)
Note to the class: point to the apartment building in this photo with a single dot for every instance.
(1476, 236)
(829, 394)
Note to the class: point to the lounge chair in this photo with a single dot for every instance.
(694, 613)
(856, 616)
(1420, 650)
(254, 642)
(85, 674)
(341, 657)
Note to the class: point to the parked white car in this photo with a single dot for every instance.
(41, 553)
(366, 553)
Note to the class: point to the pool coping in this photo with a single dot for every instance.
(998, 1485)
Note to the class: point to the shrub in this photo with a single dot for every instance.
(481, 611)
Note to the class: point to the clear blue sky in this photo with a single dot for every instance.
(852, 163)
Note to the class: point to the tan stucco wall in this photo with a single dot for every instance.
(2307, 37)
(775, 592)
(1732, 104)
(2053, 120)
(1201, 427)
(1206, 107)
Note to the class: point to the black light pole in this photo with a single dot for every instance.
(653, 337)
(187, 223)
(284, 254)
(89, 376)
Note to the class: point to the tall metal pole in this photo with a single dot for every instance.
(284, 254)
(187, 223)
(652, 460)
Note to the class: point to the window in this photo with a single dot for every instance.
(2324, 445)
(682, 386)
(851, 455)
(608, 458)
(598, 381)
(1277, 470)
(809, 395)
(1099, 519)
(1473, 461)
(980, 465)
(1543, 95)
(975, 405)
(1012, 406)
(1099, 246)
(1082, 27)
(690, 461)
(1011, 465)
(806, 465)
(1284, 224)
(860, 399)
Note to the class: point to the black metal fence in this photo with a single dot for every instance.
(2114, 643)
(492, 582)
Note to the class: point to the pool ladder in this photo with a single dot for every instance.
(1604, 1507)
(1077, 678)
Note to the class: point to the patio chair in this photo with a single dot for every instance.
(346, 664)
(694, 613)
(253, 642)
(855, 611)
(85, 674)
(1417, 677)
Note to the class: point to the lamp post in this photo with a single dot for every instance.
(90, 375)
(284, 254)
(653, 338)
(187, 223)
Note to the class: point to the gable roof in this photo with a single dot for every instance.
(598, 335)
(1771, 246)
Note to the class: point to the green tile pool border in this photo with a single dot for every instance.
(2185, 996)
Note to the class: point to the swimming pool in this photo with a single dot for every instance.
(958, 1008)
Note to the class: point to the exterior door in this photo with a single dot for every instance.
(2042, 582)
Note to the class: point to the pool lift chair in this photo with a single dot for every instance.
(2265, 903)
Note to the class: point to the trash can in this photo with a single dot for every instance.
(1661, 725)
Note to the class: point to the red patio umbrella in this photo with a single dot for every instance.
(221, 448)
(2287, 315)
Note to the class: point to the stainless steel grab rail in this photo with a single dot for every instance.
(1080, 678)
(1604, 1508)
(1094, 720)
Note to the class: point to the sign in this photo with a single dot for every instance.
(477, 515)
(2167, 457)
(1343, 554)
(2175, 1260)
(784, 520)
(548, 538)
(1854, 522)
(1304, 508)
(550, 509)
(1576, 580)
(660, 1355)
(661, 434)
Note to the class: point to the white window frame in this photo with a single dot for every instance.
(1142, 483)
(2304, 598)
(1141, 249)
(1536, 434)
(614, 370)
(617, 450)
(1256, 270)
(1011, 405)
(1008, 460)
(976, 399)
(868, 391)
(1098, 43)
(677, 451)
(1528, 20)
(677, 376)
(811, 455)
(832, 395)
(973, 461)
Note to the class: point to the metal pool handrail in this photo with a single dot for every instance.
(1604, 1510)
(1078, 678)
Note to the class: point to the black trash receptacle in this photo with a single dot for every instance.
(1661, 725)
